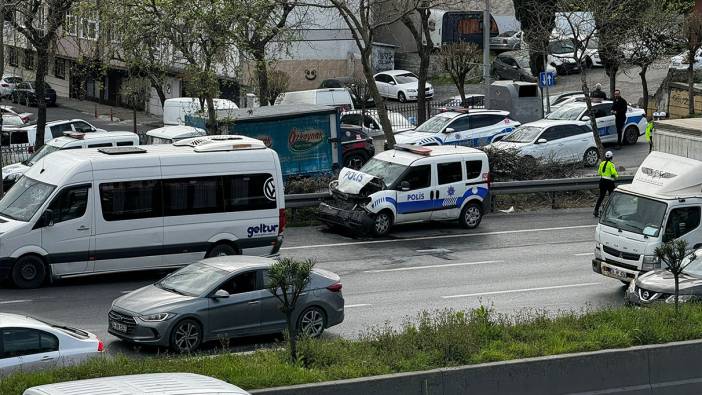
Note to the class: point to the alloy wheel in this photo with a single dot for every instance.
(312, 323)
(591, 157)
(382, 224)
(187, 336)
(472, 216)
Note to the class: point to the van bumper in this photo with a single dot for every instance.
(611, 270)
(357, 220)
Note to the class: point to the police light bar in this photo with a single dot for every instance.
(74, 135)
(413, 149)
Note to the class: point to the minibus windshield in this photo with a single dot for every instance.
(24, 199)
(634, 214)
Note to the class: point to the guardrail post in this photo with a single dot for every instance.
(553, 200)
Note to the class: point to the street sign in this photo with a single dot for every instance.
(546, 78)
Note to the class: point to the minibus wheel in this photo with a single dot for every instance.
(221, 250)
(29, 272)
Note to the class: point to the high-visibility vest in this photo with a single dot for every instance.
(649, 131)
(607, 170)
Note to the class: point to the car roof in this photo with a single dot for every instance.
(545, 123)
(469, 111)
(9, 320)
(58, 122)
(235, 263)
(109, 136)
(407, 158)
(396, 72)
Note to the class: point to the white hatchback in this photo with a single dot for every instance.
(29, 344)
(401, 85)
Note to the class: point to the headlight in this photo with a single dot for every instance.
(158, 317)
(598, 251)
(412, 90)
(650, 262)
(681, 298)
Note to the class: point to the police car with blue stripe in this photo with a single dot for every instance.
(634, 126)
(467, 127)
(411, 184)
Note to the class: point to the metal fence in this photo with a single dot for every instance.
(409, 111)
(15, 153)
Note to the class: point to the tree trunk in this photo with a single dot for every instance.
(593, 121)
(379, 101)
(211, 116)
(158, 87)
(2, 40)
(461, 86)
(292, 337)
(644, 87)
(262, 77)
(134, 116)
(40, 93)
(677, 292)
(691, 88)
(612, 74)
(424, 55)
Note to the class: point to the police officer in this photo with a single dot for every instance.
(608, 173)
(649, 134)
(598, 93)
(619, 108)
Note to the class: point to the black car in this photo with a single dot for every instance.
(513, 65)
(357, 147)
(24, 93)
(358, 88)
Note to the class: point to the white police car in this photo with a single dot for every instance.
(634, 126)
(472, 128)
(411, 184)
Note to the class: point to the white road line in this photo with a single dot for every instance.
(510, 291)
(584, 254)
(15, 301)
(504, 232)
(399, 269)
(350, 306)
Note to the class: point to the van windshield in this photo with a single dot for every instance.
(24, 199)
(634, 214)
(45, 149)
(386, 171)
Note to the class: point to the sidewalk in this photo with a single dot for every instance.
(112, 114)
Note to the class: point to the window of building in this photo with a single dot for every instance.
(12, 57)
(60, 68)
(70, 26)
(70, 204)
(449, 172)
(89, 26)
(28, 61)
(130, 200)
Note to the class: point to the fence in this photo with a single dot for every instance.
(15, 153)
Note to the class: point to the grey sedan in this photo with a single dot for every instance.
(218, 298)
(659, 285)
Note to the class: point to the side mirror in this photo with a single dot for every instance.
(405, 186)
(586, 118)
(221, 294)
(449, 130)
(541, 141)
(47, 218)
(392, 83)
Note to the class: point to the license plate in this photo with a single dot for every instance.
(618, 274)
(118, 327)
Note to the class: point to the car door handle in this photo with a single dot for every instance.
(437, 194)
(47, 358)
(255, 302)
(83, 227)
(431, 195)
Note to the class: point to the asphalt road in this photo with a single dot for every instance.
(512, 262)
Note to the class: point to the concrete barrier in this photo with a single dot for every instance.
(673, 368)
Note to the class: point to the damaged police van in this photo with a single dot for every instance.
(411, 184)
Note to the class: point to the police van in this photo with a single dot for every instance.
(113, 209)
(410, 184)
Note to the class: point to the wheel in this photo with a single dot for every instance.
(221, 250)
(382, 223)
(29, 272)
(401, 97)
(471, 215)
(355, 160)
(312, 322)
(591, 157)
(631, 135)
(186, 336)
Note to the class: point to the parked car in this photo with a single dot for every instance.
(7, 84)
(507, 41)
(348, 83)
(634, 126)
(473, 128)
(56, 129)
(561, 98)
(562, 56)
(473, 101)
(559, 141)
(658, 286)
(681, 62)
(357, 146)
(514, 65)
(217, 298)
(334, 97)
(401, 85)
(176, 109)
(371, 122)
(141, 384)
(15, 145)
(12, 121)
(172, 133)
(26, 116)
(29, 344)
(24, 93)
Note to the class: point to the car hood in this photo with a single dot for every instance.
(662, 281)
(151, 299)
(419, 138)
(17, 168)
(352, 181)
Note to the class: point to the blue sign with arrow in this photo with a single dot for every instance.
(546, 78)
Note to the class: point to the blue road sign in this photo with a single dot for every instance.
(546, 78)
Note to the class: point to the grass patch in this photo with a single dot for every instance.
(432, 340)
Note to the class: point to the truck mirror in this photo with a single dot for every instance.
(47, 218)
(405, 186)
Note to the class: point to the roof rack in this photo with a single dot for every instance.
(121, 150)
(419, 150)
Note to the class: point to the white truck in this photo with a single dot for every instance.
(663, 203)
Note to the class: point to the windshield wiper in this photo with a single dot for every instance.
(170, 289)
(8, 216)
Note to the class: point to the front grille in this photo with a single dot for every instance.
(123, 319)
(621, 264)
(650, 296)
(621, 254)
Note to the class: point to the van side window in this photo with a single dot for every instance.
(449, 172)
(130, 200)
(681, 221)
(474, 168)
(192, 196)
(70, 203)
(418, 177)
(23, 341)
(248, 192)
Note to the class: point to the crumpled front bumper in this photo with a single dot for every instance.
(357, 220)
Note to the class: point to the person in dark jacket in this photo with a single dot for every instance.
(598, 93)
(619, 107)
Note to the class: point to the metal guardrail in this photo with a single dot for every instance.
(498, 188)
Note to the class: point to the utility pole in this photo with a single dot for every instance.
(486, 46)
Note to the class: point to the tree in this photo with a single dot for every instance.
(460, 60)
(692, 39)
(39, 22)
(277, 82)
(538, 20)
(288, 278)
(673, 254)
(136, 89)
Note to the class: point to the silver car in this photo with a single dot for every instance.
(659, 285)
(220, 298)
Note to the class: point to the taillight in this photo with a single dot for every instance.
(336, 287)
(487, 177)
(281, 220)
(101, 346)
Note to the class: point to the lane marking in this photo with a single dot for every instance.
(510, 291)
(351, 306)
(15, 301)
(503, 232)
(584, 254)
(399, 269)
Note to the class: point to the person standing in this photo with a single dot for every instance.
(598, 93)
(619, 108)
(649, 134)
(608, 173)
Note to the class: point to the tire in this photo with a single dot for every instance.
(631, 135)
(401, 97)
(311, 322)
(29, 272)
(591, 157)
(471, 215)
(355, 160)
(382, 223)
(186, 336)
(221, 250)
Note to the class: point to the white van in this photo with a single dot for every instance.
(173, 133)
(175, 110)
(115, 209)
(141, 384)
(11, 173)
(334, 97)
